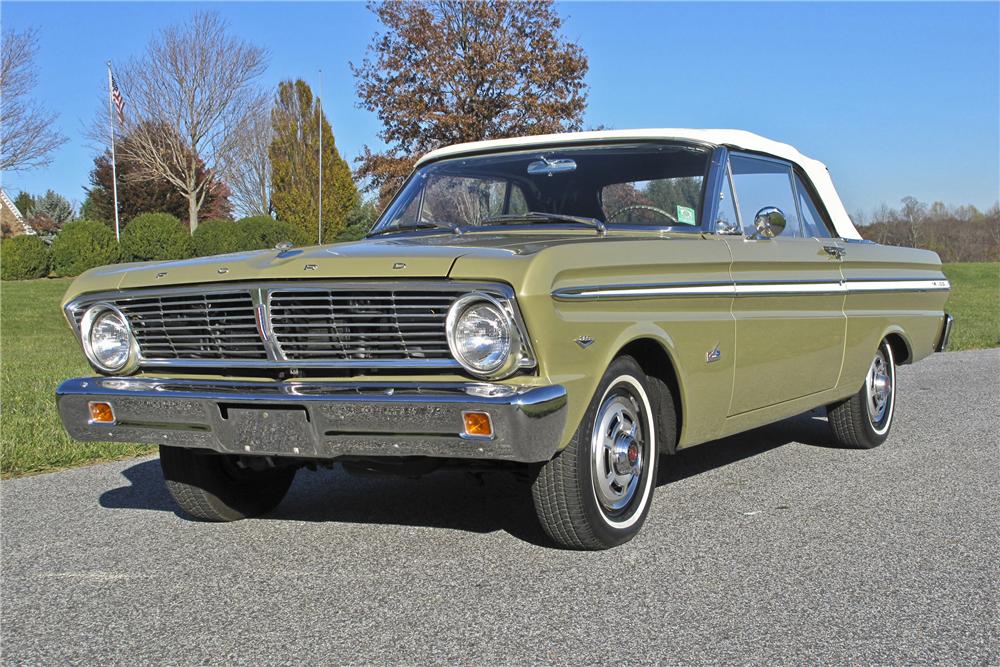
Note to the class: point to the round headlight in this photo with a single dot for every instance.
(107, 339)
(482, 336)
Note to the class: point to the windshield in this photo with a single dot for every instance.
(618, 184)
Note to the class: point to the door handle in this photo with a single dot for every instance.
(835, 251)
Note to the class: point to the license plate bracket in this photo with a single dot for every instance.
(268, 430)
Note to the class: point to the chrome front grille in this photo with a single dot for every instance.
(219, 325)
(345, 325)
(348, 325)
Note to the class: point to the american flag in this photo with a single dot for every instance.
(119, 101)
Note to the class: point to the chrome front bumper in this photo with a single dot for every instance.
(319, 419)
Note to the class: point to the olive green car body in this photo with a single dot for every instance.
(737, 360)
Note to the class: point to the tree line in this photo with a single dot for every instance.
(955, 233)
(202, 139)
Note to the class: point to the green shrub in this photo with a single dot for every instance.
(155, 236)
(261, 232)
(82, 245)
(215, 237)
(23, 258)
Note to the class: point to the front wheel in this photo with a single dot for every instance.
(863, 420)
(214, 487)
(596, 493)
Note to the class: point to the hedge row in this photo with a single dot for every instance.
(24, 258)
(218, 237)
(85, 244)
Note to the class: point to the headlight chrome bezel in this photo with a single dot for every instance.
(518, 356)
(90, 316)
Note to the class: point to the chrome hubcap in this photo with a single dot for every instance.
(617, 451)
(879, 388)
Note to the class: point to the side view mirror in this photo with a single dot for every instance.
(769, 222)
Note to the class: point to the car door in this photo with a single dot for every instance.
(789, 305)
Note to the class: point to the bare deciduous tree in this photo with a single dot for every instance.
(198, 80)
(249, 170)
(27, 137)
(913, 213)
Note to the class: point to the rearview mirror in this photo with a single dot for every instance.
(547, 167)
(769, 222)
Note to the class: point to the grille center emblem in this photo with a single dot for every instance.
(261, 317)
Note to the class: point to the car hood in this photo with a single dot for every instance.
(423, 256)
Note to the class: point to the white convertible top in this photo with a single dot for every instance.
(816, 170)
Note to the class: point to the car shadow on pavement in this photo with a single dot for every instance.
(495, 501)
(810, 429)
(145, 491)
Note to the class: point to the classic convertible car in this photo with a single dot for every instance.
(579, 306)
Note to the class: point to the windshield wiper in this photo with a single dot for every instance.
(427, 224)
(537, 216)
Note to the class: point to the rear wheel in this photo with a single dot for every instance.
(596, 493)
(215, 487)
(863, 420)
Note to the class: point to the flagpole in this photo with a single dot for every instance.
(114, 168)
(319, 105)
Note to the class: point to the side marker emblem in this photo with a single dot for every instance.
(584, 341)
(399, 265)
(713, 355)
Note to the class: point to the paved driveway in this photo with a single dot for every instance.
(771, 547)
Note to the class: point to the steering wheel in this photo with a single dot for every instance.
(642, 207)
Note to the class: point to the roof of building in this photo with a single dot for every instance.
(20, 225)
(740, 139)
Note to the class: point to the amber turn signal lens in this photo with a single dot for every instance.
(478, 423)
(101, 413)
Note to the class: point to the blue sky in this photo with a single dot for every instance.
(897, 98)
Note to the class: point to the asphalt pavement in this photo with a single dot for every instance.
(772, 547)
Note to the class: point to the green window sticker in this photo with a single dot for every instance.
(685, 215)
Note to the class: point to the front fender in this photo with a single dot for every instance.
(685, 341)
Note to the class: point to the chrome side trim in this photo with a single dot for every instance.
(748, 288)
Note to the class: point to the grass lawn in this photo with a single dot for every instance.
(38, 352)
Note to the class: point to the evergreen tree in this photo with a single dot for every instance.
(55, 206)
(25, 203)
(295, 165)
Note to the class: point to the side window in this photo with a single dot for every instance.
(812, 221)
(727, 205)
(761, 183)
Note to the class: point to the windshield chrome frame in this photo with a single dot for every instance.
(704, 207)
